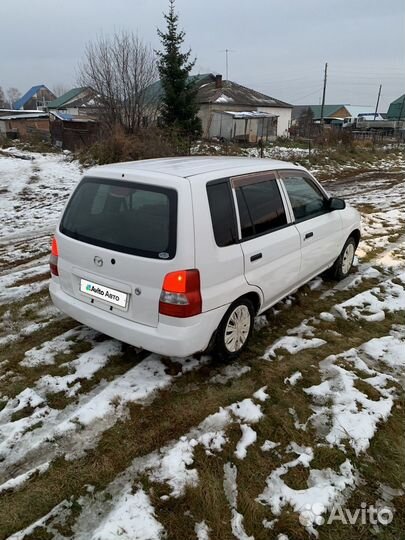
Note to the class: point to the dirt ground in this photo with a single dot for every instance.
(100, 441)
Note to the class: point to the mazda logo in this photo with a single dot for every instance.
(98, 261)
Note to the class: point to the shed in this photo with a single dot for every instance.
(246, 126)
(72, 132)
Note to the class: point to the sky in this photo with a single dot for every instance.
(278, 47)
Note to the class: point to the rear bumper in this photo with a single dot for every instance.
(190, 336)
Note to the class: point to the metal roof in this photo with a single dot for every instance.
(397, 109)
(192, 167)
(24, 116)
(27, 96)
(68, 96)
(240, 115)
(66, 117)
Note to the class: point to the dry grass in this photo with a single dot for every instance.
(192, 398)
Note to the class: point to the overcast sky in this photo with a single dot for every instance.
(277, 46)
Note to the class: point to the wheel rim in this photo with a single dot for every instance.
(237, 328)
(347, 260)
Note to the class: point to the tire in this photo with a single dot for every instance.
(344, 262)
(237, 324)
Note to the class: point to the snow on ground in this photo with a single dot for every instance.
(345, 411)
(324, 486)
(33, 432)
(34, 191)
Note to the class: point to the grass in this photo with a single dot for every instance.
(175, 410)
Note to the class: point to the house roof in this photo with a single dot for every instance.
(232, 93)
(27, 96)
(59, 102)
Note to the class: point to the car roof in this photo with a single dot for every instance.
(193, 167)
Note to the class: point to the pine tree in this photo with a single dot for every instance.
(179, 107)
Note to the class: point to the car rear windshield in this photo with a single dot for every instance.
(123, 216)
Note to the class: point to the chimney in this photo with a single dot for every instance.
(218, 81)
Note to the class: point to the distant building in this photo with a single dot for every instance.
(396, 110)
(232, 111)
(330, 112)
(23, 125)
(37, 98)
(76, 102)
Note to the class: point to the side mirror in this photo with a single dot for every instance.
(336, 204)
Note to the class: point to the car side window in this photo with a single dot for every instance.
(306, 200)
(222, 213)
(261, 209)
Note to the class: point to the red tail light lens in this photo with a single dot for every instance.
(53, 259)
(181, 294)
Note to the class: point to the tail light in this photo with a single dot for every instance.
(181, 294)
(53, 259)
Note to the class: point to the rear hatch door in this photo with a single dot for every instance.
(119, 238)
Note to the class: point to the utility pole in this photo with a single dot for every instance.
(378, 101)
(324, 91)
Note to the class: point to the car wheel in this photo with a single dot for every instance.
(344, 262)
(235, 329)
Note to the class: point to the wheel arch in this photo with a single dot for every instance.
(254, 298)
(355, 234)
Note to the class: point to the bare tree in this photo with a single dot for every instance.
(3, 102)
(59, 89)
(13, 94)
(120, 69)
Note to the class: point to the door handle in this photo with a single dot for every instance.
(308, 235)
(256, 257)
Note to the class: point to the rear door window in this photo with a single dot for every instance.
(123, 216)
(261, 209)
(222, 213)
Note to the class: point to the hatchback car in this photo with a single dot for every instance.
(178, 255)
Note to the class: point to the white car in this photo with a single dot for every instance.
(178, 255)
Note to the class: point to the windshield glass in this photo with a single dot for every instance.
(123, 216)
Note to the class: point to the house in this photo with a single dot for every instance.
(77, 101)
(223, 102)
(396, 110)
(36, 98)
(20, 126)
(330, 112)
